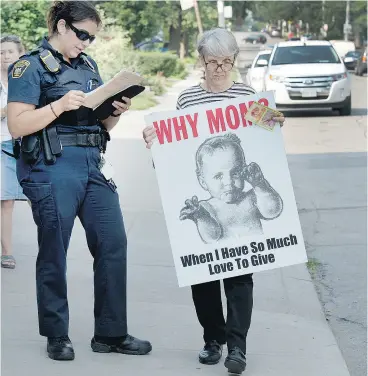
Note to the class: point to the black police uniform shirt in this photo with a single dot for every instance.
(28, 76)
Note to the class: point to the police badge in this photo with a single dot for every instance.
(19, 68)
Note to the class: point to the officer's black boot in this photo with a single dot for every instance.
(124, 345)
(235, 362)
(211, 353)
(60, 348)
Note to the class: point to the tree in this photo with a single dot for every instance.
(141, 19)
(27, 19)
(239, 12)
(359, 21)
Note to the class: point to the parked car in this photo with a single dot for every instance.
(276, 33)
(256, 39)
(342, 47)
(361, 66)
(257, 70)
(152, 44)
(351, 58)
(308, 75)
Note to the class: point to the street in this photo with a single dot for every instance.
(327, 161)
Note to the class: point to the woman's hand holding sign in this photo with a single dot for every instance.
(279, 119)
(149, 134)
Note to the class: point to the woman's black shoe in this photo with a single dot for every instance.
(60, 348)
(235, 362)
(211, 353)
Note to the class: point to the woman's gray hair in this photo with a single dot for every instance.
(217, 42)
(13, 39)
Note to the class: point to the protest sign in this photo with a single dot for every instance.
(226, 191)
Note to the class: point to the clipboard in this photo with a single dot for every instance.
(105, 109)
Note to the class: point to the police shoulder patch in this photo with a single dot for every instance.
(19, 68)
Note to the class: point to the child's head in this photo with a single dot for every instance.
(220, 161)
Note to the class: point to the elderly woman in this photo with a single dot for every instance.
(218, 50)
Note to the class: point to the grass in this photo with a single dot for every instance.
(143, 101)
(313, 265)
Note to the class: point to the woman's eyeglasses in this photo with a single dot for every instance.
(214, 65)
(82, 34)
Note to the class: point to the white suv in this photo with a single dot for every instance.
(308, 75)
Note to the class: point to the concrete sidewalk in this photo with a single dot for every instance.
(289, 335)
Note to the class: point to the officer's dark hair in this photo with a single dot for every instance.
(13, 39)
(71, 11)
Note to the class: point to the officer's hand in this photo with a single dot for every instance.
(121, 107)
(71, 101)
(149, 134)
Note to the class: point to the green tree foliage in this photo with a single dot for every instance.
(27, 19)
(140, 19)
(311, 12)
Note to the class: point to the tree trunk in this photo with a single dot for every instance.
(184, 45)
(175, 36)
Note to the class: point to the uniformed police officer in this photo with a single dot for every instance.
(59, 170)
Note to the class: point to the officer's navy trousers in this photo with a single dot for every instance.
(72, 187)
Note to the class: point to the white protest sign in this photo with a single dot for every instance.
(226, 191)
(186, 4)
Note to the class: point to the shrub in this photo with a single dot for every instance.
(112, 53)
(109, 50)
(180, 70)
(156, 84)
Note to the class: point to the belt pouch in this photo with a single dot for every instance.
(30, 148)
(49, 157)
(54, 141)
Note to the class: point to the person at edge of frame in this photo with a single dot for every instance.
(11, 48)
(60, 170)
(217, 51)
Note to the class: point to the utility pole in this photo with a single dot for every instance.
(347, 26)
(221, 15)
(198, 16)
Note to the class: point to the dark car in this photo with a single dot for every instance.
(256, 39)
(361, 66)
(351, 58)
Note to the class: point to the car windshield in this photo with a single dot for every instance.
(262, 57)
(305, 55)
(353, 54)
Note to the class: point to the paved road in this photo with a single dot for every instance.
(327, 160)
(328, 165)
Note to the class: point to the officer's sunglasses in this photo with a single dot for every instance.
(82, 34)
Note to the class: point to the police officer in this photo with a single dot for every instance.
(60, 172)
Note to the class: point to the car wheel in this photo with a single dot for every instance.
(346, 110)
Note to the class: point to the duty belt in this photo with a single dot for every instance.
(84, 139)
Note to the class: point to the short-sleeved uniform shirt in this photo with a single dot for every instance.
(28, 76)
(197, 95)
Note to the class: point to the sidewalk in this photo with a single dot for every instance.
(289, 335)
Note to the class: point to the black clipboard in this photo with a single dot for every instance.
(105, 109)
